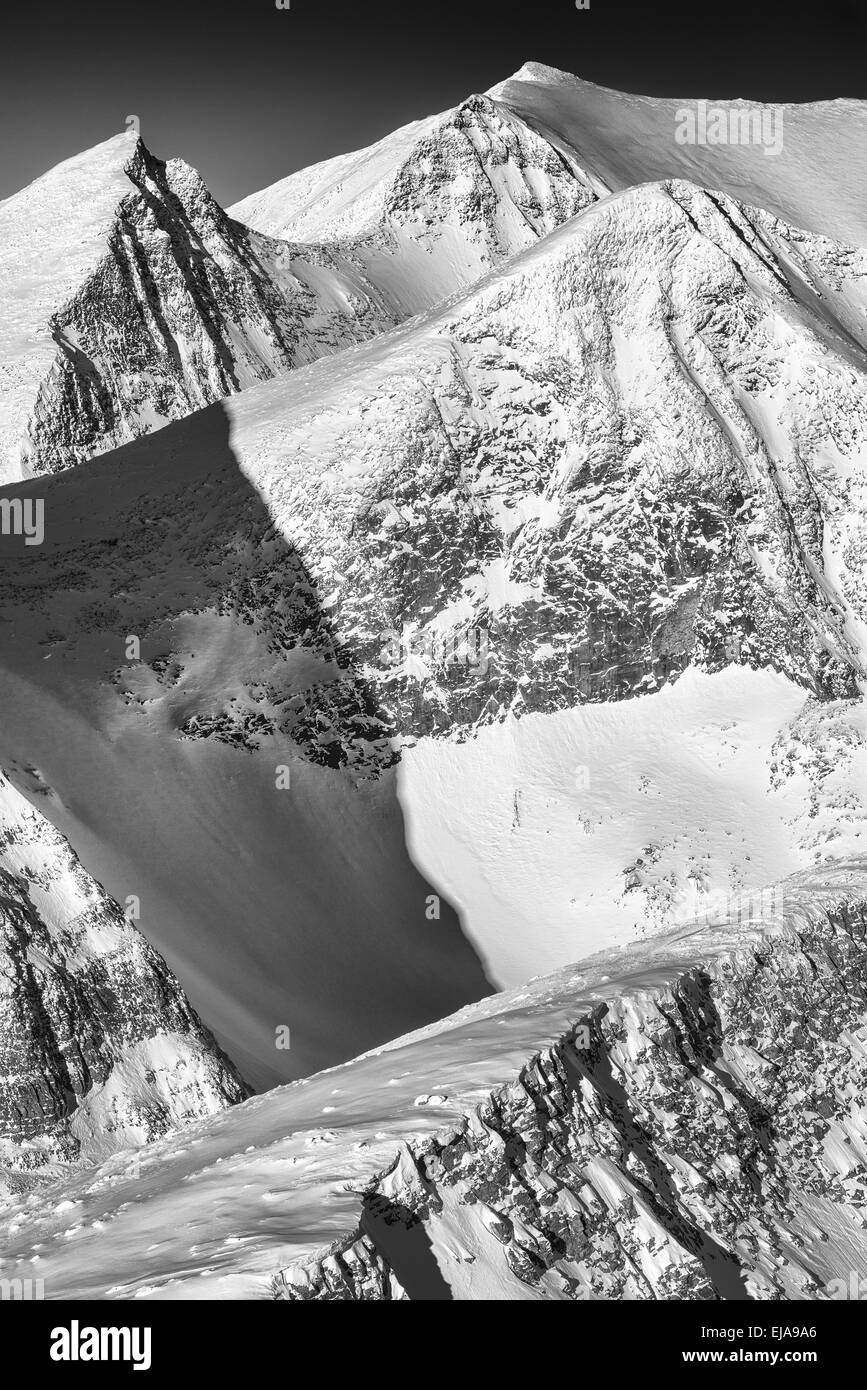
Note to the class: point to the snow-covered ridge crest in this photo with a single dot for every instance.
(699, 1134)
(680, 1119)
(621, 139)
(431, 208)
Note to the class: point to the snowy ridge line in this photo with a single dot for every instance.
(682, 1139)
(170, 306)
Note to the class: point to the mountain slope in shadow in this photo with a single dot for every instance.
(172, 687)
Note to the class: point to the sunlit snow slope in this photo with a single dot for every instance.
(681, 1119)
(432, 205)
(813, 177)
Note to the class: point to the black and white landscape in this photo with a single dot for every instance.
(433, 749)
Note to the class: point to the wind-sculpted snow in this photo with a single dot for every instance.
(804, 162)
(131, 299)
(680, 1119)
(99, 1049)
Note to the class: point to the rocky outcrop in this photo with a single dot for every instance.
(176, 306)
(359, 1273)
(433, 207)
(637, 448)
(694, 1141)
(99, 1048)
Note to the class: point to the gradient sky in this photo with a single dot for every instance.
(248, 93)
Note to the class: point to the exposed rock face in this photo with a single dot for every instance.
(532, 527)
(176, 306)
(133, 299)
(699, 1141)
(684, 1118)
(358, 1273)
(431, 208)
(99, 1049)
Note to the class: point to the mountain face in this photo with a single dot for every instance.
(684, 1119)
(434, 206)
(521, 480)
(131, 299)
(99, 1049)
(633, 452)
(453, 568)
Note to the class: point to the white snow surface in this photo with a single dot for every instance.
(219, 1209)
(617, 140)
(560, 834)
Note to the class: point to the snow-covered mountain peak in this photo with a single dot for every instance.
(432, 207)
(128, 298)
(521, 543)
(804, 162)
(536, 72)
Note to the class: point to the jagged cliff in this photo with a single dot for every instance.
(99, 1048)
(706, 1140)
(131, 299)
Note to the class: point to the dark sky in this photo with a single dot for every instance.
(247, 93)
